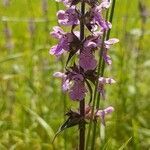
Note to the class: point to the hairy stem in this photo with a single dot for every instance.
(82, 127)
(82, 103)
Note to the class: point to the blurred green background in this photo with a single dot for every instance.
(32, 106)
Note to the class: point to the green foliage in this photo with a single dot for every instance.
(31, 102)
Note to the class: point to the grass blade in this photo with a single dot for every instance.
(125, 144)
(42, 122)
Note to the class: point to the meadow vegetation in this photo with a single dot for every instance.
(32, 106)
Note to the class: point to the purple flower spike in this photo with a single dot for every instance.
(78, 90)
(81, 70)
(68, 17)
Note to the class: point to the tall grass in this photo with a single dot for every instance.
(26, 79)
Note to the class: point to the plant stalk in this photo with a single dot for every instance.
(102, 69)
(97, 103)
(82, 103)
(94, 98)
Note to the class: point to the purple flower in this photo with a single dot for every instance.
(58, 33)
(68, 17)
(87, 60)
(99, 113)
(64, 41)
(59, 75)
(107, 45)
(102, 82)
(106, 57)
(73, 82)
(66, 85)
(91, 42)
(110, 42)
(78, 90)
(96, 18)
(105, 4)
(56, 50)
(65, 81)
(103, 113)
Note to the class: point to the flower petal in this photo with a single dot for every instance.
(59, 75)
(56, 50)
(66, 85)
(57, 33)
(68, 17)
(77, 91)
(87, 61)
(103, 80)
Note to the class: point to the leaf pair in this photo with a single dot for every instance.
(74, 118)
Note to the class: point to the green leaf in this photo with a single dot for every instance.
(125, 144)
(2, 147)
(11, 57)
(73, 120)
(42, 122)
